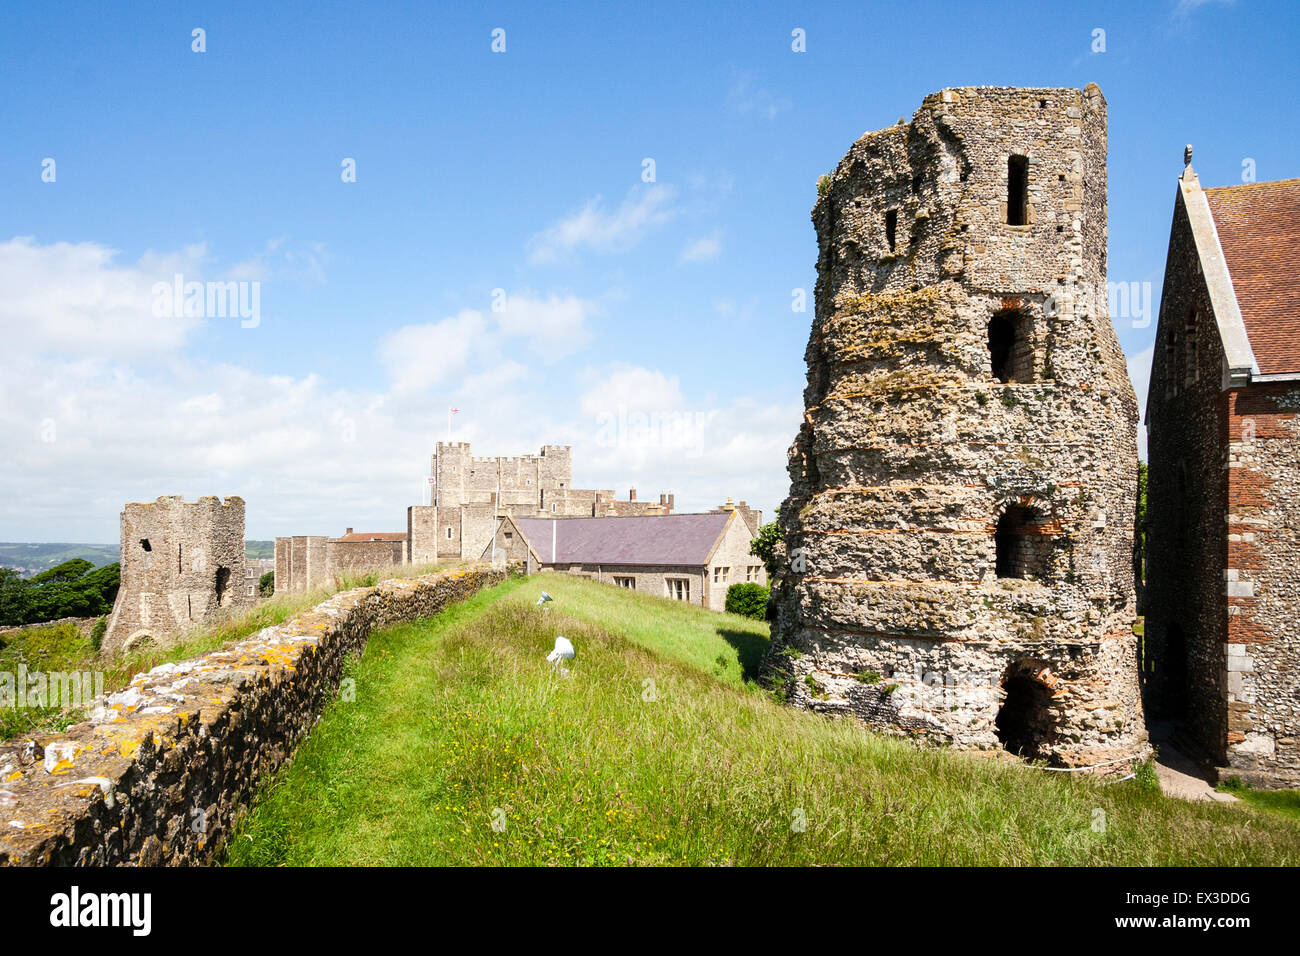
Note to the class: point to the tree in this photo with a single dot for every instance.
(15, 597)
(74, 588)
(63, 573)
(765, 542)
(266, 584)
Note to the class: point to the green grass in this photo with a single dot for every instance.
(727, 646)
(459, 723)
(1285, 802)
(62, 647)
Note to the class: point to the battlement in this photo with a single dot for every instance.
(178, 501)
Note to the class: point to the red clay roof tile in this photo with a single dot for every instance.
(1259, 230)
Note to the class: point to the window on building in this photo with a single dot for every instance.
(625, 582)
(679, 589)
(252, 592)
(1022, 550)
(1017, 190)
(891, 228)
(222, 582)
(1011, 355)
(720, 575)
(449, 532)
(509, 536)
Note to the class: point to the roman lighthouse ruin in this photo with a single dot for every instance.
(959, 528)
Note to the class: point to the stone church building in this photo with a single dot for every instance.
(1223, 520)
(960, 525)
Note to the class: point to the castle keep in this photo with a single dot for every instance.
(471, 496)
(960, 525)
(181, 562)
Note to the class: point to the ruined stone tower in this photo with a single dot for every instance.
(959, 530)
(180, 563)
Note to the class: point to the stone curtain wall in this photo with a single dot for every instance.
(160, 772)
(913, 449)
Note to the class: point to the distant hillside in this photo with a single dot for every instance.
(29, 558)
(259, 549)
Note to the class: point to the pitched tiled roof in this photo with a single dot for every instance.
(679, 540)
(374, 536)
(1259, 232)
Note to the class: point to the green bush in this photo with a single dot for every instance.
(748, 600)
(266, 584)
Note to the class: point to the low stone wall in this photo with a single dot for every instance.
(159, 772)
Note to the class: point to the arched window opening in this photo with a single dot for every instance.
(1021, 548)
(1017, 190)
(1026, 724)
(891, 228)
(222, 583)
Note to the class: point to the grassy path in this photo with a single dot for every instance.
(464, 747)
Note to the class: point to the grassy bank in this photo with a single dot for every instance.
(463, 746)
(63, 648)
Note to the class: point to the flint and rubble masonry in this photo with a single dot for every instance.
(960, 522)
(158, 773)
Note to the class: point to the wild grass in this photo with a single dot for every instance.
(63, 647)
(1285, 802)
(727, 646)
(463, 746)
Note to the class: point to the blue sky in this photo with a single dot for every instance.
(519, 171)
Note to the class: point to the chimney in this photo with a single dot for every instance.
(349, 531)
(631, 494)
(663, 498)
(671, 504)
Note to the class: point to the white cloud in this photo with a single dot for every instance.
(603, 230)
(745, 97)
(83, 430)
(1187, 7)
(702, 250)
(641, 430)
(73, 299)
(434, 353)
(417, 356)
(554, 326)
(282, 259)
